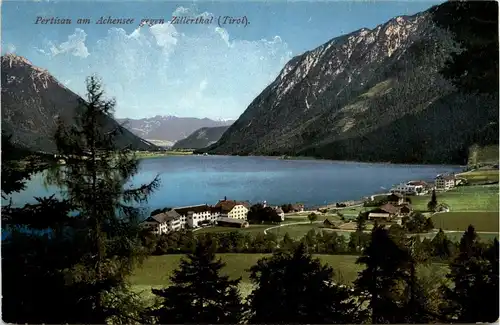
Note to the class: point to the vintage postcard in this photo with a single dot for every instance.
(216, 162)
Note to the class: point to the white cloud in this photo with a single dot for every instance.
(173, 70)
(165, 35)
(75, 45)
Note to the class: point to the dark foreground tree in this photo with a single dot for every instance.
(441, 246)
(474, 25)
(416, 222)
(292, 287)
(474, 272)
(18, 166)
(199, 294)
(418, 303)
(88, 261)
(381, 282)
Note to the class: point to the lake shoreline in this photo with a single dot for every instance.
(206, 179)
(303, 158)
(287, 157)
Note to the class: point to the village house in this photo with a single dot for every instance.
(297, 207)
(395, 199)
(327, 223)
(405, 209)
(385, 213)
(164, 222)
(280, 212)
(443, 207)
(233, 209)
(444, 182)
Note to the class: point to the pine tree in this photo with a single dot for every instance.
(474, 272)
(417, 307)
(288, 243)
(441, 246)
(381, 280)
(431, 206)
(474, 26)
(292, 287)
(199, 294)
(93, 181)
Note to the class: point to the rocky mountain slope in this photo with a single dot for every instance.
(371, 95)
(31, 101)
(169, 128)
(201, 138)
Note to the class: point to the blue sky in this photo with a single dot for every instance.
(183, 70)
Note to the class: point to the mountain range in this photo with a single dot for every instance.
(32, 99)
(371, 95)
(201, 138)
(169, 129)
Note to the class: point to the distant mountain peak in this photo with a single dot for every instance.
(372, 95)
(32, 99)
(170, 128)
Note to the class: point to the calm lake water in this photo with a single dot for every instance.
(189, 180)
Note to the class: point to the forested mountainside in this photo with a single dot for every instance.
(371, 95)
(201, 138)
(32, 99)
(169, 128)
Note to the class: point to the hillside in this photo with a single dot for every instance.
(32, 99)
(201, 138)
(169, 128)
(371, 95)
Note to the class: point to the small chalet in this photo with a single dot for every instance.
(297, 207)
(405, 209)
(328, 223)
(443, 207)
(395, 199)
(387, 212)
(280, 212)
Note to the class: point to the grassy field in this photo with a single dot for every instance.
(296, 231)
(156, 270)
(456, 236)
(480, 175)
(482, 221)
(463, 198)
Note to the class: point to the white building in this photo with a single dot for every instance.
(196, 216)
(193, 216)
(164, 222)
(233, 209)
(410, 188)
(444, 182)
